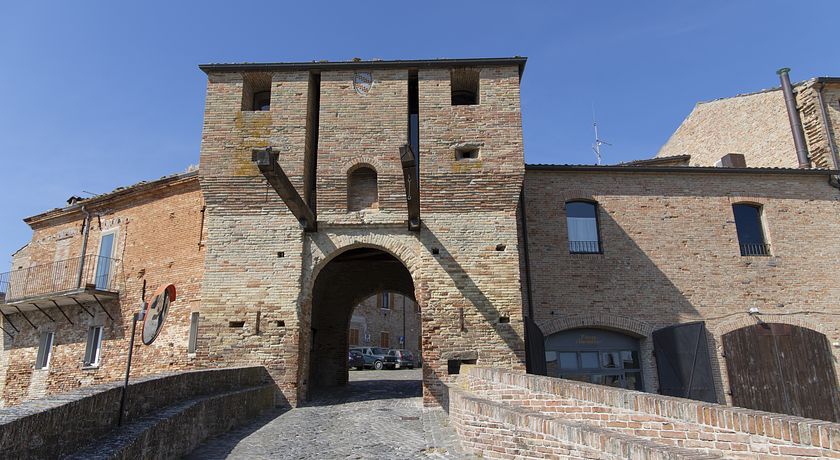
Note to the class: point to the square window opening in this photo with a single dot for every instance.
(465, 86)
(466, 153)
(256, 92)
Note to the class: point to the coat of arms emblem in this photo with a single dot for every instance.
(362, 82)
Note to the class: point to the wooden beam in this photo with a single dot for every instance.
(266, 161)
(412, 186)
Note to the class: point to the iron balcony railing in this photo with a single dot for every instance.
(57, 277)
(755, 249)
(584, 247)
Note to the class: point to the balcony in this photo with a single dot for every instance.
(72, 282)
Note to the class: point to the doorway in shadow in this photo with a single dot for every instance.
(348, 280)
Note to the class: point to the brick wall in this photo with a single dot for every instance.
(369, 317)
(756, 125)
(503, 414)
(158, 240)
(671, 255)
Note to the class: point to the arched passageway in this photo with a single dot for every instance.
(345, 281)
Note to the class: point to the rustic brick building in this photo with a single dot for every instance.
(323, 184)
(383, 320)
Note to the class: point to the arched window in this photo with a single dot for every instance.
(750, 230)
(594, 356)
(362, 192)
(582, 223)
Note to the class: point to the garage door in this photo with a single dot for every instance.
(782, 368)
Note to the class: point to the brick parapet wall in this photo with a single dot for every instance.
(710, 428)
(493, 430)
(60, 424)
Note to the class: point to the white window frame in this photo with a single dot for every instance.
(192, 341)
(111, 231)
(93, 352)
(45, 352)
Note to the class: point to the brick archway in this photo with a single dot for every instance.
(619, 323)
(623, 324)
(330, 292)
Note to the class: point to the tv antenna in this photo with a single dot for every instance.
(596, 146)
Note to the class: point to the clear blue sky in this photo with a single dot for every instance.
(95, 95)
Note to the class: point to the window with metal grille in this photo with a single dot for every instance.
(93, 350)
(42, 361)
(582, 224)
(750, 230)
(191, 344)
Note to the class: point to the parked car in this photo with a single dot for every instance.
(377, 358)
(405, 359)
(355, 359)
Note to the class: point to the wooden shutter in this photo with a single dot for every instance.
(782, 368)
(683, 363)
(384, 340)
(535, 345)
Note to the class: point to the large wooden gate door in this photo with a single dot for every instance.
(782, 368)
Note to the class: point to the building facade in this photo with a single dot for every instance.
(386, 320)
(652, 275)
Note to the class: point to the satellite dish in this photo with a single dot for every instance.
(156, 311)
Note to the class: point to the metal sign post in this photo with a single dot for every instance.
(152, 314)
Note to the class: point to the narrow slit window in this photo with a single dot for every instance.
(191, 344)
(750, 230)
(582, 223)
(93, 351)
(465, 87)
(42, 361)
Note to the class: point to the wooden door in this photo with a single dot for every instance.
(782, 368)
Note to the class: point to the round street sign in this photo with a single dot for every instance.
(156, 312)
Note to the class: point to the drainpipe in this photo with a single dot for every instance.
(84, 247)
(831, 145)
(795, 121)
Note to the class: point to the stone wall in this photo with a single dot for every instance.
(502, 414)
(159, 240)
(61, 424)
(671, 255)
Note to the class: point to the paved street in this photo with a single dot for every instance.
(379, 415)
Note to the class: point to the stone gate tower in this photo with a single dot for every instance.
(300, 232)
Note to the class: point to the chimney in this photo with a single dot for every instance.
(732, 160)
(795, 121)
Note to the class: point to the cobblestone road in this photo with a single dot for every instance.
(379, 415)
